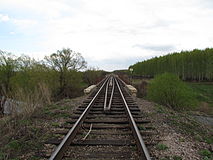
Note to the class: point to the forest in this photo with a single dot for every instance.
(60, 75)
(195, 65)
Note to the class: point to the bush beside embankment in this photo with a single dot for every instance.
(167, 89)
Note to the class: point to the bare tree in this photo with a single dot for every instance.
(63, 61)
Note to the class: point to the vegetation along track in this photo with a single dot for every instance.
(105, 127)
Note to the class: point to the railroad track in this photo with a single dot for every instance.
(108, 125)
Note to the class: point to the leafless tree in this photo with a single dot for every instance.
(63, 61)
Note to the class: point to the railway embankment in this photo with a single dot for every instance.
(24, 136)
(182, 135)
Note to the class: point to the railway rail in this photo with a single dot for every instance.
(107, 126)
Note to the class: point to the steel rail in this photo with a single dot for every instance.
(139, 140)
(105, 97)
(58, 153)
(110, 83)
(112, 93)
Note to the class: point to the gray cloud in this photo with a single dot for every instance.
(155, 47)
(158, 24)
(206, 3)
(115, 63)
(137, 29)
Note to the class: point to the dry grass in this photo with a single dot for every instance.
(23, 136)
(31, 100)
(27, 103)
(18, 127)
(205, 108)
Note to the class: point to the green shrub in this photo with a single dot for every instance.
(167, 89)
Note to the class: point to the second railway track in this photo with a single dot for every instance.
(106, 126)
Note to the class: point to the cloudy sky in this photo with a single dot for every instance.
(110, 34)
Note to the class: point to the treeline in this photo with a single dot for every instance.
(188, 65)
(60, 73)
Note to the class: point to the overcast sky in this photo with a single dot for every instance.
(110, 34)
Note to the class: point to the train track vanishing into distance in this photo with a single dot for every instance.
(106, 126)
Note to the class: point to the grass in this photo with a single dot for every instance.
(182, 139)
(165, 158)
(204, 91)
(204, 94)
(14, 145)
(209, 139)
(206, 154)
(21, 144)
(25, 135)
(134, 148)
(172, 158)
(2, 155)
(64, 107)
(55, 124)
(161, 109)
(184, 123)
(161, 147)
(190, 126)
(56, 111)
(25, 122)
(141, 127)
(177, 158)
